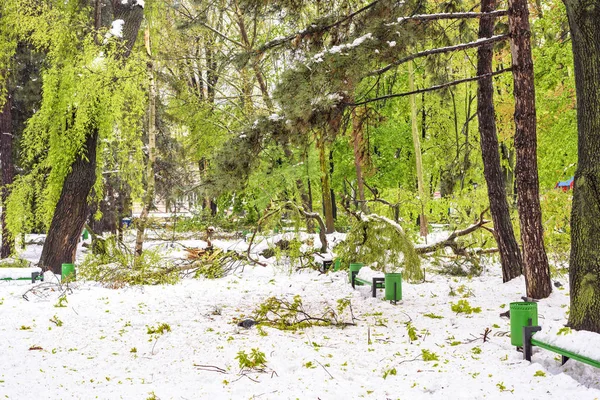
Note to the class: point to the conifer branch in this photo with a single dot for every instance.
(312, 29)
(429, 89)
(462, 46)
(457, 15)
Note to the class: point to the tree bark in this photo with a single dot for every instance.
(71, 210)
(8, 171)
(510, 254)
(150, 179)
(325, 187)
(584, 270)
(535, 261)
(358, 142)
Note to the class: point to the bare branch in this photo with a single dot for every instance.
(432, 88)
(458, 15)
(462, 46)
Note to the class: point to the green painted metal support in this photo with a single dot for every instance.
(566, 353)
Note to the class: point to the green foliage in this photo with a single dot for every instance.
(412, 332)
(539, 373)
(432, 315)
(565, 330)
(291, 315)
(387, 372)
(256, 360)
(14, 263)
(376, 240)
(429, 355)
(117, 266)
(556, 210)
(160, 329)
(87, 89)
(463, 307)
(62, 301)
(55, 320)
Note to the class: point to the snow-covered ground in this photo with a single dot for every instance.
(103, 349)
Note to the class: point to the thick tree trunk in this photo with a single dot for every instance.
(71, 211)
(535, 261)
(584, 270)
(8, 171)
(510, 254)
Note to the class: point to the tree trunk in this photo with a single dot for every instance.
(150, 179)
(325, 188)
(510, 254)
(535, 261)
(417, 146)
(359, 154)
(584, 270)
(71, 210)
(8, 171)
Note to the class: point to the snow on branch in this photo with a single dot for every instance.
(458, 15)
(338, 49)
(462, 46)
(312, 29)
(429, 89)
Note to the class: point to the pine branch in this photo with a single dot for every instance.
(458, 15)
(462, 46)
(312, 29)
(429, 89)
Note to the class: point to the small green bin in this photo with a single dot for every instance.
(520, 314)
(337, 263)
(354, 267)
(67, 272)
(393, 286)
(85, 235)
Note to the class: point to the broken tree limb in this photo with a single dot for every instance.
(450, 241)
(312, 215)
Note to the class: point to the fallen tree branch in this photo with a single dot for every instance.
(450, 241)
(312, 215)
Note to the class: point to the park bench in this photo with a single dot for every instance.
(377, 282)
(529, 340)
(394, 282)
(19, 274)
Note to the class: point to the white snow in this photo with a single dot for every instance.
(16, 273)
(141, 3)
(317, 58)
(392, 43)
(116, 28)
(583, 343)
(275, 117)
(92, 354)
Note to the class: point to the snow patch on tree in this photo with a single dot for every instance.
(116, 28)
